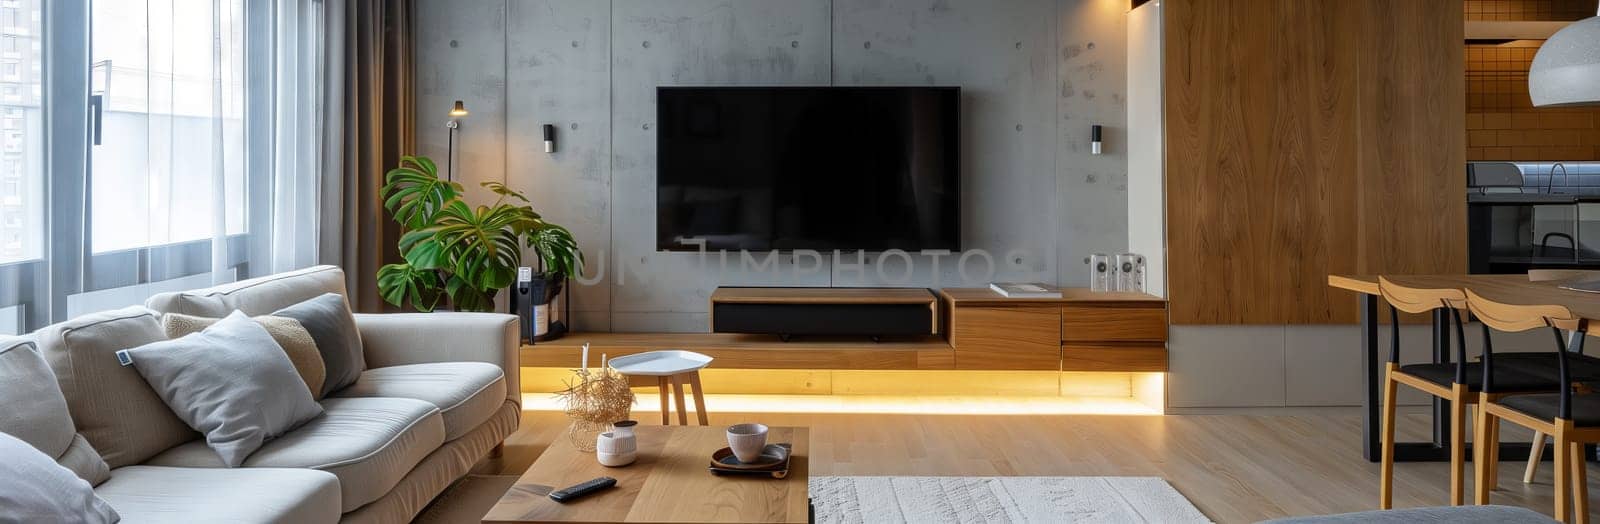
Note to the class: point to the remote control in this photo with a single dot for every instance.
(581, 490)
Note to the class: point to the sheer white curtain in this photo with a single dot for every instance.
(303, 100)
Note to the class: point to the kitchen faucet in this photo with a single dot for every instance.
(1549, 182)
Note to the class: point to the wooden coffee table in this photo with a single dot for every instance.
(669, 483)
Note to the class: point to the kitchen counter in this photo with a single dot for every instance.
(1525, 199)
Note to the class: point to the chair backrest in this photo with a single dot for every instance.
(1424, 300)
(1420, 300)
(1548, 275)
(1520, 317)
(1502, 316)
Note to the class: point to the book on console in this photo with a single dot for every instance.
(1024, 290)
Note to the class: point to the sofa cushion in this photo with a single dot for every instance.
(160, 494)
(448, 464)
(466, 393)
(256, 296)
(328, 319)
(111, 405)
(83, 459)
(36, 412)
(287, 332)
(369, 443)
(231, 381)
(37, 489)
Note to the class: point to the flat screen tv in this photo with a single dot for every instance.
(820, 168)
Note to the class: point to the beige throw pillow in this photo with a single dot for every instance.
(287, 332)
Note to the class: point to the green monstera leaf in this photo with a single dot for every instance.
(556, 248)
(414, 193)
(399, 283)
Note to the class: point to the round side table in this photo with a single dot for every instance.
(671, 366)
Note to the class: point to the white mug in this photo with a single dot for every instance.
(747, 441)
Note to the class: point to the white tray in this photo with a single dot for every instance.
(660, 363)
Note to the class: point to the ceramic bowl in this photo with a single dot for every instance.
(747, 441)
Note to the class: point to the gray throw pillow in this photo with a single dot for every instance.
(39, 490)
(230, 382)
(331, 325)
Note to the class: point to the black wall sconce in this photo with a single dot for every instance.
(549, 138)
(1094, 139)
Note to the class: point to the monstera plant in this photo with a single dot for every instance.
(461, 256)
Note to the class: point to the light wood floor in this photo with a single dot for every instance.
(1235, 468)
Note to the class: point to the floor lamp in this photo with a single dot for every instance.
(456, 114)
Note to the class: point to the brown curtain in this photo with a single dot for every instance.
(371, 127)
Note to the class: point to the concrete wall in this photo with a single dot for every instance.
(1035, 75)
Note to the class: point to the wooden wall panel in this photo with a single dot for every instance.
(1413, 141)
(1288, 124)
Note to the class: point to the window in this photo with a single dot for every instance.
(22, 142)
(167, 125)
(159, 181)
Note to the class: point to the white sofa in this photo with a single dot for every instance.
(439, 394)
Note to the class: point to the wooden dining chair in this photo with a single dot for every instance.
(1536, 448)
(1571, 419)
(1459, 382)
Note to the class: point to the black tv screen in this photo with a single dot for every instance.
(822, 168)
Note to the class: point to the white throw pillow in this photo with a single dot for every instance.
(231, 382)
(36, 489)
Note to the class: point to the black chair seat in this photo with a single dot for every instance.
(1546, 406)
(1581, 368)
(1506, 379)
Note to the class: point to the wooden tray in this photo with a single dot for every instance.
(774, 462)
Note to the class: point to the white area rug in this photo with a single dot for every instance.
(999, 499)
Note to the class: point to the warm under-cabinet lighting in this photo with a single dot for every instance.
(888, 405)
(898, 392)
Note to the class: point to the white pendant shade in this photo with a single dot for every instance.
(1566, 72)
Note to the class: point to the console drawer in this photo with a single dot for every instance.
(1006, 338)
(1102, 323)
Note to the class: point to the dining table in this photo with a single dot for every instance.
(1510, 289)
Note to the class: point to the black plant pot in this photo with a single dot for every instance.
(545, 287)
(543, 290)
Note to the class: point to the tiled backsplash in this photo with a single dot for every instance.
(1502, 123)
(1520, 10)
(1581, 177)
